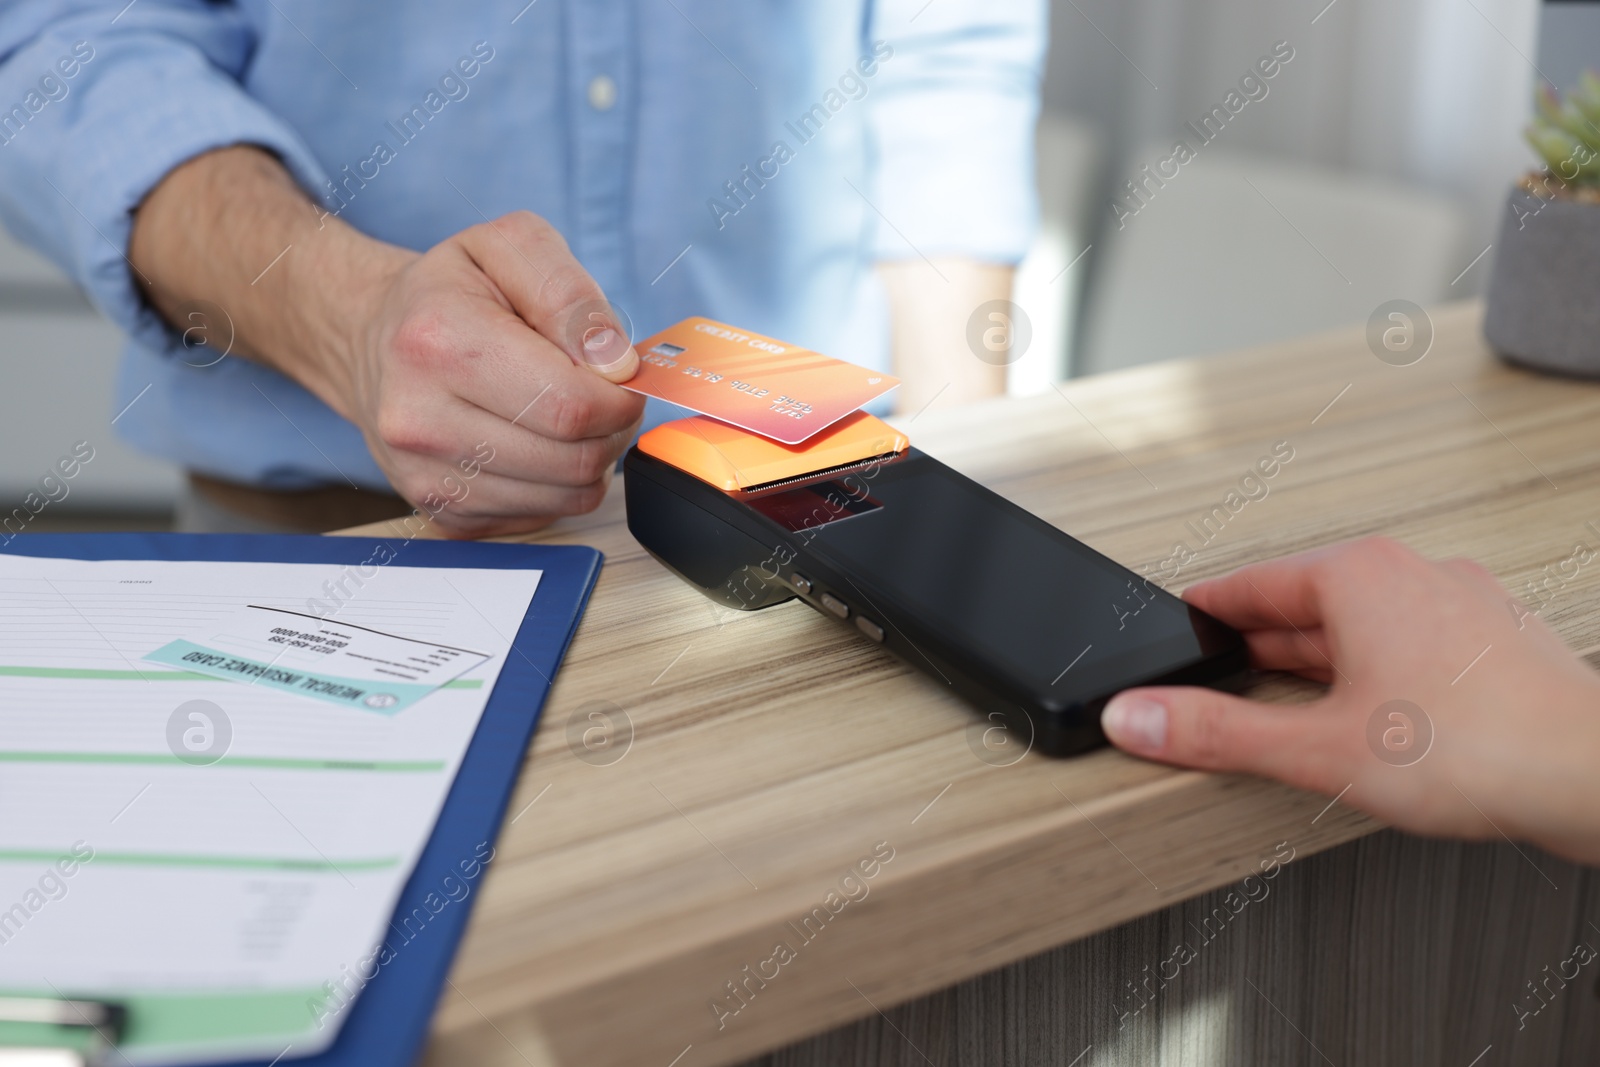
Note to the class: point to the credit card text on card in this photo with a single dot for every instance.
(757, 383)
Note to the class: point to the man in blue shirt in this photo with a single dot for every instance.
(424, 233)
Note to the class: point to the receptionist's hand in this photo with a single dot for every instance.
(1452, 709)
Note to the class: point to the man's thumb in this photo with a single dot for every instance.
(606, 351)
(1207, 729)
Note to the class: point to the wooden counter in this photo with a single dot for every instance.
(773, 751)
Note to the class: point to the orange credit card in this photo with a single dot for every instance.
(756, 383)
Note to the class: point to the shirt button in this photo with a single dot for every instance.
(602, 93)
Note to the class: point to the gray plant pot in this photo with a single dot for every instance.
(1543, 307)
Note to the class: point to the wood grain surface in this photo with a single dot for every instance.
(765, 755)
(1387, 951)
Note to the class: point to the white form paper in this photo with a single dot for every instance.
(177, 841)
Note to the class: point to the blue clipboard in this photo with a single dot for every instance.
(388, 1022)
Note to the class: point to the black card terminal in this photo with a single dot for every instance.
(1033, 627)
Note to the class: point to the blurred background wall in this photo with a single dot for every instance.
(59, 359)
(1373, 166)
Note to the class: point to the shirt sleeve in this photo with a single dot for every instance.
(98, 102)
(951, 126)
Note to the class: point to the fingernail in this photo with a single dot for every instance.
(1135, 723)
(604, 348)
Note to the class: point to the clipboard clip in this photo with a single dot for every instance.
(85, 1030)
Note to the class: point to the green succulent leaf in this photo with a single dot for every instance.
(1567, 116)
(1556, 147)
(1580, 126)
(1586, 97)
(1566, 133)
(1547, 102)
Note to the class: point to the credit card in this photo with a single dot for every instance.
(766, 386)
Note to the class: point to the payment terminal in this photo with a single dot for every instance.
(1017, 617)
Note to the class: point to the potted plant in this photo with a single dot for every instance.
(1543, 309)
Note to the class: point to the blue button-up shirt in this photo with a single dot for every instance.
(744, 161)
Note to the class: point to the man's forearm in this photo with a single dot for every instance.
(231, 228)
(929, 306)
(495, 338)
